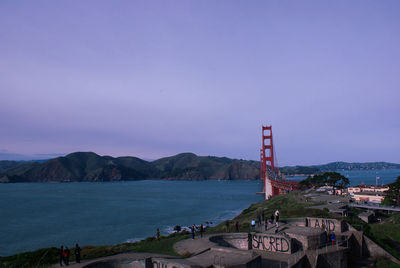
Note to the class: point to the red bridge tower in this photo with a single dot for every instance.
(274, 182)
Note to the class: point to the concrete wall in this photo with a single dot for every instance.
(272, 243)
(236, 240)
(309, 241)
(330, 225)
(370, 248)
(295, 221)
(169, 263)
(332, 259)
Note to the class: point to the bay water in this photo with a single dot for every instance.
(38, 215)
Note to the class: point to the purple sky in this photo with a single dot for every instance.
(156, 78)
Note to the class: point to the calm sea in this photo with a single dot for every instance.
(37, 215)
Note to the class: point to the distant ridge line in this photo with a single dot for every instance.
(89, 166)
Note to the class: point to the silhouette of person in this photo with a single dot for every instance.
(67, 253)
(77, 253)
(61, 255)
(237, 226)
(192, 229)
(158, 234)
(201, 230)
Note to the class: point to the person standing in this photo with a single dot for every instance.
(61, 255)
(201, 230)
(158, 234)
(277, 215)
(333, 238)
(77, 252)
(67, 253)
(237, 226)
(192, 229)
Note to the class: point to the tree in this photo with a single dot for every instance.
(393, 194)
(333, 179)
(177, 228)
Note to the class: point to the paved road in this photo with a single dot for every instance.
(375, 207)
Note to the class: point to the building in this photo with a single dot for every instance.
(368, 193)
(367, 188)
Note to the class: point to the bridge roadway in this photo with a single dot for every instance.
(388, 208)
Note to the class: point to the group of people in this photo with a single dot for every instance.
(194, 228)
(261, 218)
(227, 226)
(64, 254)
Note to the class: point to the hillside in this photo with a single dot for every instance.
(334, 166)
(7, 164)
(88, 166)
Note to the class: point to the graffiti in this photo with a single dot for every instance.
(326, 224)
(159, 264)
(270, 243)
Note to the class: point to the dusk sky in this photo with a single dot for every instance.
(156, 78)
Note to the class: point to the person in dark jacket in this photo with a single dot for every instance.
(192, 230)
(61, 255)
(201, 230)
(77, 253)
(158, 234)
(67, 253)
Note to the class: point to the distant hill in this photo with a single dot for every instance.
(337, 166)
(6, 164)
(299, 170)
(88, 166)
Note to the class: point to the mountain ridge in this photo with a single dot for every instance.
(89, 166)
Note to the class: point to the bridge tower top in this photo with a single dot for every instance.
(267, 152)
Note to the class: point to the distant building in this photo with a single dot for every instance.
(367, 188)
(368, 193)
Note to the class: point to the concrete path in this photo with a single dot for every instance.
(194, 246)
(123, 256)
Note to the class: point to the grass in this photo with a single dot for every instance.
(49, 256)
(290, 205)
(387, 235)
(39, 258)
(383, 262)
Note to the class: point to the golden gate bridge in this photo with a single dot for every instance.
(274, 182)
